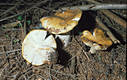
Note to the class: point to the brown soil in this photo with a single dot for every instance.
(73, 64)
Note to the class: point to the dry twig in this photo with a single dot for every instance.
(22, 12)
(10, 9)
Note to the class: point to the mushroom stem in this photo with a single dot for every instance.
(109, 33)
(65, 39)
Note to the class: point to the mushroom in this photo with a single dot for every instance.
(61, 22)
(97, 41)
(39, 49)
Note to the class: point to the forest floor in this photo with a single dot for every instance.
(74, 62)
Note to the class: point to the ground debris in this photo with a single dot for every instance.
(75, 62)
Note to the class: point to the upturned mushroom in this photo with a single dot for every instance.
(38, 49)
(97, 41)
(61, 22)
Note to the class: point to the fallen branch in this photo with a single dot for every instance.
(115, 18)
(112, 37)
(98, 7)
(111, 15)
(104, 27)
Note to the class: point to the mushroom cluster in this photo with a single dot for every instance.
(97, 40)
(38, 48)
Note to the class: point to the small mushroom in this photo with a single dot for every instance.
(38, 49)
(61, 22)
(97, 41)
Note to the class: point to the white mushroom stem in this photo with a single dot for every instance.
(65, 39)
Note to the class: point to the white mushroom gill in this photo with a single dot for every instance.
(37, 50)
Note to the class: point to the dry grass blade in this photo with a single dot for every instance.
(82, 49)
(24, 27)
(100, 77)
(1, 71)
(10, 4)
(10, 51)
(11, 25)
(13, 29)
(66, 74)
(50, 67)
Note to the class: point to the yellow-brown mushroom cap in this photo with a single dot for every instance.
(70, 14)
(98, 37)
(62, 22)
